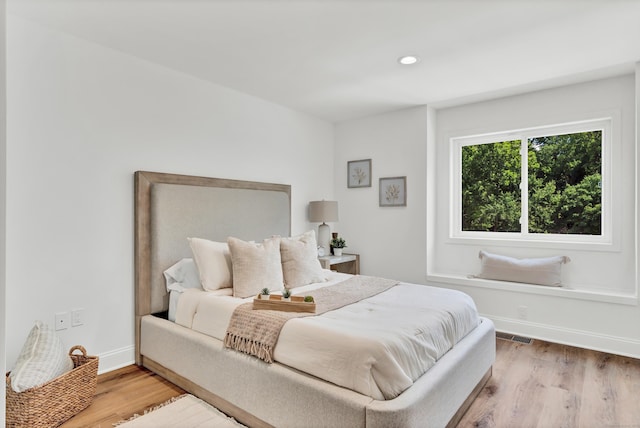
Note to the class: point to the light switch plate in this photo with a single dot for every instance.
(77, 317)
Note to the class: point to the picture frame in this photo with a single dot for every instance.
(359, 173)
(393, 192)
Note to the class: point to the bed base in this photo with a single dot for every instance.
(251, 421)
(455, 420)
(264, 395)
(211, 398)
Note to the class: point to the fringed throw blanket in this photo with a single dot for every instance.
(255, 332)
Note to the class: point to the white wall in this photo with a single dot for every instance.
(3, 196)
(81, 120)
(390, 240)
(561, 105)
(396, 242)
(600, 310)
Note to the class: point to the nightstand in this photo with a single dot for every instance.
(346, 263)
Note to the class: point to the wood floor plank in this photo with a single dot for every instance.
(541, 385)
(629, 391)
(550, 385)
(121, 394)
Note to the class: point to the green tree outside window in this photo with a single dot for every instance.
(564, 178)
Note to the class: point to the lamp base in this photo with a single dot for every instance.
(324, 238)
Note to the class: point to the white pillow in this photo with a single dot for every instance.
(182, 275)
(300, 264)
(541, 271)
(42, 358)
(214, 263)
(255, 266)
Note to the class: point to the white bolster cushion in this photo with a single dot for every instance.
(541, 271)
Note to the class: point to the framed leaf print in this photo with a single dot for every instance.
(359, 173)
(393, 192)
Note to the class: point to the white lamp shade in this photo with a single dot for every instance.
(323, 211)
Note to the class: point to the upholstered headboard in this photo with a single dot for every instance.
(169, 208)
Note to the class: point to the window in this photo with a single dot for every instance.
(491, 177)
(545, 183)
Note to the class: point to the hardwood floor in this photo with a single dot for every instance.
(539, 385)
(122, 393)
(549, 385)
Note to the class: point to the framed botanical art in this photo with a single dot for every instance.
(359, 173)
(393, 192)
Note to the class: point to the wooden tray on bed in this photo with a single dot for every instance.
(275, 303)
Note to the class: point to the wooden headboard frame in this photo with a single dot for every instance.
(169, 208)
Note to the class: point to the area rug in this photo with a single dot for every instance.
(185, 411)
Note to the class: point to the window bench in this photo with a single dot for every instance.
(564, 291)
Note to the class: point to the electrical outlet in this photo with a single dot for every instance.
(62, 320)
(77, 317)
(523, 312)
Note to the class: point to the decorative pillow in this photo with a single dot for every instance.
(300, 264)
(182, 275)
(255, 266)
(542, 271)
(214, 263)
(42, 358)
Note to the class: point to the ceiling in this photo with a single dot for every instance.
(337, 60)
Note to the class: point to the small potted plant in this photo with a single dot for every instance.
(338, 244)
(286, 295)
(308, 299)
(264, 294)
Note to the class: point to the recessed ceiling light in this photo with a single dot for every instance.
(408, 59)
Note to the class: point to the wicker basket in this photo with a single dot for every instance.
(52, 403)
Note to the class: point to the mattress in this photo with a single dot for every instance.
(377, 347)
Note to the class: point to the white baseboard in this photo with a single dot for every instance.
(579, 338)
(116, 359)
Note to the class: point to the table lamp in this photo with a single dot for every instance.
(323, 211)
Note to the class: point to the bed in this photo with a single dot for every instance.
(168, 209)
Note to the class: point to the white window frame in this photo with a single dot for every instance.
(457, 143)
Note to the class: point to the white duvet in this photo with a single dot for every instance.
(377, 347)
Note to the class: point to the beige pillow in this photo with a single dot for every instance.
(255, 266)
(300, 264)
(214, 263)
(541, 271)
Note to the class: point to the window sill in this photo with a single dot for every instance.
(564, 292)
(501, 241)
